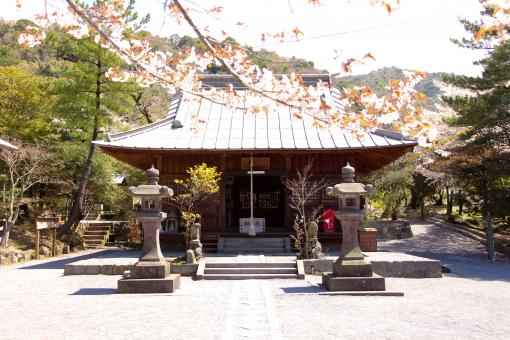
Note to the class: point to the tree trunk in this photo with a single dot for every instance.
(422, 208)
(489, 232)
(414, 200)
(439, 200)
(460, 202)
(143, 110)
(449, 204)
(76, 210)
(7, 231)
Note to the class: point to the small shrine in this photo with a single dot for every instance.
(351, 272)
(151, 274)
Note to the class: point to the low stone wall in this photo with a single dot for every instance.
(15, 256)
(90, 268)
(390, 230)
(95, 269)
(413, 267)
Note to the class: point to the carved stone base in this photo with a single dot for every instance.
(144, 286)
(196, 246)
(150, 270)
(353, 284)
(352, 268)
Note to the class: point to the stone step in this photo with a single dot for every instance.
(93, 237)
(93, 243)
(250, 270)
(265, 240)
(255, 246)
(251, 265)
(249, 276)
(254, 252)
(95, 232)
(97, 227)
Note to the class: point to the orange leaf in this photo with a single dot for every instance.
(420, 74)
(297, 32)
(388, 7)
(216, 9)
(480, 33)
(369, 55)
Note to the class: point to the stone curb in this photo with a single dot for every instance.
(414, 269)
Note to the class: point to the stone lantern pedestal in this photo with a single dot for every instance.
(151, 274)
(351, 272)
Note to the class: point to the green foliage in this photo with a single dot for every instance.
(391, 184)
(25, 105)
(486, 113)
(82, 82)
(101, 188)
(481, 164)
(202, 182)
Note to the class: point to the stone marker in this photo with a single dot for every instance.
(151, 274)
(315, 245)
(351, 272)
(195, 243)
(190, 257)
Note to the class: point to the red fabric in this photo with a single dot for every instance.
(328, 216)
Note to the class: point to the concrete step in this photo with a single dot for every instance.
(249, 276)
(251, 265)
(250, 270)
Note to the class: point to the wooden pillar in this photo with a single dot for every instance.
(222, 207)
(53, 241)
(159, 163)
(37, 241)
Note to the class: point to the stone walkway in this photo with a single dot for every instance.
(251, 312)
(472, 302)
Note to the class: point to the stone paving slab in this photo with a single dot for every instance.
(470, 303)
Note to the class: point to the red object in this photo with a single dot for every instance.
(328, 216)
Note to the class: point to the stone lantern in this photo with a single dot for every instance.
(351, 272)
(151, 274)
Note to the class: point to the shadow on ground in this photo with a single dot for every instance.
(303, 290)
(95, 291)
(60, 263)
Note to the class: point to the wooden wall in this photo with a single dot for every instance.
(173, 164)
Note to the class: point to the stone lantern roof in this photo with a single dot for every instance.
(348, 185)
(152, 188)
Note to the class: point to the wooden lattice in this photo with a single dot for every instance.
(269, 200)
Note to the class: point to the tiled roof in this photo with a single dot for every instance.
(227, 130)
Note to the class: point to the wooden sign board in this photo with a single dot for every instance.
(259, 163)
(47, 222)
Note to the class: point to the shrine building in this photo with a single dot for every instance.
(279, 144)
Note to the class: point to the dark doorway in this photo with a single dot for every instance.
(267, 201)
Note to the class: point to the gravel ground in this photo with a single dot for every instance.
(472, 302)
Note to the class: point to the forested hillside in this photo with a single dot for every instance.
(378, 80)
